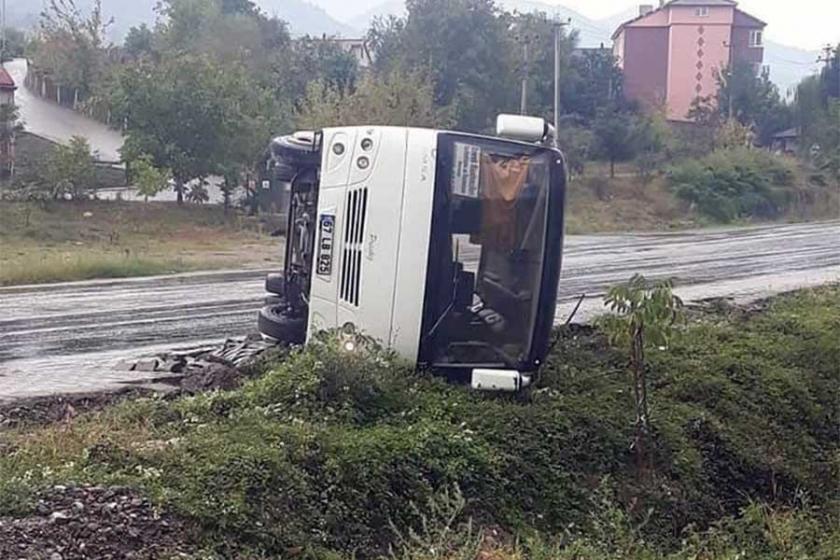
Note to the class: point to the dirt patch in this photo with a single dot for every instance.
(61, 408)
(94, 522)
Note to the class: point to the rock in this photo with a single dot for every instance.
(146, 366)
(211, 376)
(78, 507)
(110, 508)
(55, 556)
(59, 517)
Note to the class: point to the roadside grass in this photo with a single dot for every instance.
(337, 455)
(85, 240)
(597, 203)
(52, 267)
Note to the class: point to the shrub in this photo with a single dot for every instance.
(738, 183)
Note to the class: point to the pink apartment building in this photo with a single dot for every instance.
(670, 55)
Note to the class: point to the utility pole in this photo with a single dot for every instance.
(523, 103)
(730, 73)
(558, 35)
(524, 36)
(3, 34)
(831, 72)
(829, 55)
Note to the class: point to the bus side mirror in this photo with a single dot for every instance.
(524, 129)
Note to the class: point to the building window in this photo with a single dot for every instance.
(702, 11)
(756, 39)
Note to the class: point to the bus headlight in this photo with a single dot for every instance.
(348, 340)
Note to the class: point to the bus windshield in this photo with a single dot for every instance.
(488, 248)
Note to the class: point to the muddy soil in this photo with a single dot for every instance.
(86, 522)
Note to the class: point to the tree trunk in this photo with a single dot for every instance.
(179, 190)
(612, 168)
(640, 391)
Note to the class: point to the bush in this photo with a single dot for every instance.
(576, 143)
(732, 184)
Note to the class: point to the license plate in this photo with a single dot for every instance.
(326, 230)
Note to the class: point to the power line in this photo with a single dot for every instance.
(828, 49)
(787, 61)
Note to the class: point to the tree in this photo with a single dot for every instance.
(307, 60)
(753, 100)
(148, 179)
(140, 41)
(576, 143)
(536, 31)
(465, 47)
(816, 110)
(732, 134)
(70, 46)
(644, 316)
(397, 99)
(69, 170)
(594, 80)
(829, 157)
(10, 126)
(193, 116)
(232, 32)
(246, 7)
(614, 136)
(654, 142)
(16, 43)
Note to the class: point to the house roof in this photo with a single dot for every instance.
(710, 3)
(702, 3)
(6, 81)
(751, 20)
(789, 133)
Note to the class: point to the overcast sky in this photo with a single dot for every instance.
(801, 23)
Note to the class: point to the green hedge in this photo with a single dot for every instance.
(734, 184)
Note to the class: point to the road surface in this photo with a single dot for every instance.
(59, 124)
(76, 337)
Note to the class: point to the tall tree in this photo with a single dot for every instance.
(192, 116)
(466, 48)
(308, 60)
(815, 105)
(71, 46)
(396, 99)
(615, 135)
(753, 100)
(531, 41)
(594, 80)
(140, 41)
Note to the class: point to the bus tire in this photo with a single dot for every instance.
(276, 325)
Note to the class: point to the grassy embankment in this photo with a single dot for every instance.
(80, 241)
(334, 456)
(597, 203)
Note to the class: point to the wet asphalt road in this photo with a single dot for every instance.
(60, 124)
(77, 337)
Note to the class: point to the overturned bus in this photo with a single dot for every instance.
(444, 246)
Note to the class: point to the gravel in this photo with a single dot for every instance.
(88, 522)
